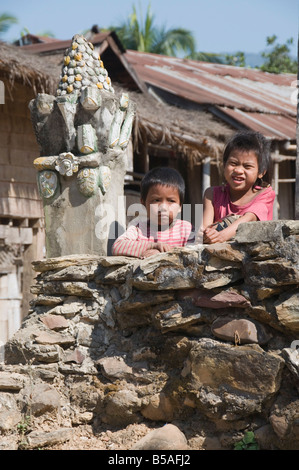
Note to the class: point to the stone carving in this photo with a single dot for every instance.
(66, 164)
(48, 183)
(83, 133)
(87, 181)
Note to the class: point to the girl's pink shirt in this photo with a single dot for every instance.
(261, 205)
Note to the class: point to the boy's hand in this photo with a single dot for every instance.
(162, 247)
(150, 252)
(156, 248)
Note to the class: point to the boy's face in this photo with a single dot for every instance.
(162, 204)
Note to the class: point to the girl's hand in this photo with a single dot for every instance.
(211, 235)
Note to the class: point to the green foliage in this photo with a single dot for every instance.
(6, 20)
(278, 59)
(143, 35)
(247, 443)
(237, 59)
(24, 426)
(207, 57)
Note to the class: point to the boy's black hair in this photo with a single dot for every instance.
(248, 141)
(164, 176)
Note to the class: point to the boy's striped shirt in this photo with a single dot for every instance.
(138, 238)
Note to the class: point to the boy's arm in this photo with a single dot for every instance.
(128, 244)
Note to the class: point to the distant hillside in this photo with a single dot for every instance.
(253, 60)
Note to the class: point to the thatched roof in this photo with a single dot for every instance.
(191, 132)
(28, 69)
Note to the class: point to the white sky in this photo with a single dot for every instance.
(217, 25)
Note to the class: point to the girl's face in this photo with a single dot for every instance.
(241, 170)
(162, 204)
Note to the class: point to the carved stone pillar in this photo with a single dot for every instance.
(83, 133)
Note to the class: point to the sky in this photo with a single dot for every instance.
(217, 25)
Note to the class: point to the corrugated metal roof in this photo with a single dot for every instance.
(257, 100)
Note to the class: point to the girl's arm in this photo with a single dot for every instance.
(208, 208)
(213, 236)
(208, 214)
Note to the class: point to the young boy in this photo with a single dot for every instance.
(162, 195)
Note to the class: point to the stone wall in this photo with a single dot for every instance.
(202, 337)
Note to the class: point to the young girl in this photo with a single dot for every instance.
(247, 195)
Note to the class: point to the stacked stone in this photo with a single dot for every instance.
(82, 66)
(207, 333)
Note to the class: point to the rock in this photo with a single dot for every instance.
(271, 273)
(173, 318)
(169, 437)
(224, 251)
(240, 331)
(9, 420)
(120, 407)
(266, 438)
(229, 381)
(223, 299)
(115, 368)
(54, 338)
(79, 289)
(37, 439)
(284, 420)
(254, 232)
(52, 264)
(164, 271)
(291, 356)
(287, 310)
(74, 356)
(159, 408)
(39, 399)
(11, 381)
(10, 443)
(55, 322)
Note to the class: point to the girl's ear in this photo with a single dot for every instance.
(260, 175)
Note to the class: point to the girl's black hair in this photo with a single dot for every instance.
(248, 141)
(164, 176)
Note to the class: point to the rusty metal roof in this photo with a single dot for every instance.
(247, 97)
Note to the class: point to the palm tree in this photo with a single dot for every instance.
(6, 20)
(144, 36)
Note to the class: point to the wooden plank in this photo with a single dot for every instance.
(19, 190)
(18, 174)
(13, 207)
